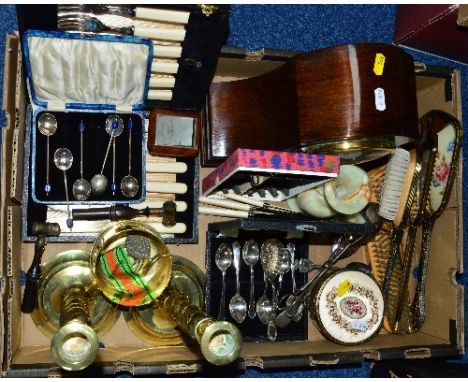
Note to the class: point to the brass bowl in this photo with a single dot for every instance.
(153, 273)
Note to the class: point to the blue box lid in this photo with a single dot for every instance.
(87, 71)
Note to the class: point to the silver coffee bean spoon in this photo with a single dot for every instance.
(129, 184)
(114, 127)
(81, 187)
(63, 160)
(47, 125)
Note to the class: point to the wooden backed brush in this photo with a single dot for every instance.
(395, 292)
(378, 249)
(383, 251)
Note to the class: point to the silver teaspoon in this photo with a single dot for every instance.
(251, 255)
(223, 260)
(237, 305)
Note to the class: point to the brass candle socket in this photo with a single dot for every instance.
(220, 341)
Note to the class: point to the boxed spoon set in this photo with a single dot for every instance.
(88, 130)
(88, 96)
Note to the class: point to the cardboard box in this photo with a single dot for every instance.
(440, 29)
(289, 172)
(26, 351)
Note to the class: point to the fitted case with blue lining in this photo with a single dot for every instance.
(77, 77)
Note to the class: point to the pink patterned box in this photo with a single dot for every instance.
(288, 168)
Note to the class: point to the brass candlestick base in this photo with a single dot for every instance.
(71, 310)
(220, 341)
(152, 323)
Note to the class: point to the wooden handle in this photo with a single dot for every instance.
(166, 188)
(181, 206)
(166, 167)
(160, 33)
(166, 15)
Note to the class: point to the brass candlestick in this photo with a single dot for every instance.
(71, 310)
(75, 345)
(220, 341)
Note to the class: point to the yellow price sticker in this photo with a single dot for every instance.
(343, 288)
(379, 64)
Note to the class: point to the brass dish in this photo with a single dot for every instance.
(152, 324)
(60, 273)
(154, 270)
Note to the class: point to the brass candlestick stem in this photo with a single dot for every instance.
(220, 341)
(75, 345)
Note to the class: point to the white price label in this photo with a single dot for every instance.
(379, 94)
